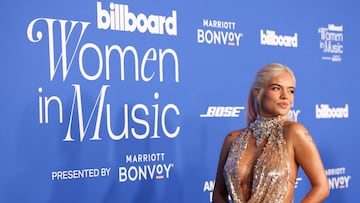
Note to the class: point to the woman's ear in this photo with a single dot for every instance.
(256, 91)
(257, 94)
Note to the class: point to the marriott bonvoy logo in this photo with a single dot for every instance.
(218, 32)
(118, 17)
(338, 178)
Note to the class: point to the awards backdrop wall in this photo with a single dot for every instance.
(130, 101)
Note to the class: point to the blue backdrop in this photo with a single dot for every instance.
(129, 101)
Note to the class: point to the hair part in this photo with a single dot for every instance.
(262, 77)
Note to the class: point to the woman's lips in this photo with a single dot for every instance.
(283, 104)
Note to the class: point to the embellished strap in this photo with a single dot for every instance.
(263, 127)
(271, 173)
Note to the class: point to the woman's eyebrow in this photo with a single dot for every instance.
(276, 84)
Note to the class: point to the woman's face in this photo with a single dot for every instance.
(278, 96)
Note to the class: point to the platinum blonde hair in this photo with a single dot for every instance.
(262, 77)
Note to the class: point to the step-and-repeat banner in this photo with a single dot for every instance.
(130, 101)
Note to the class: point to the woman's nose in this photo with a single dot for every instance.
(284, 94)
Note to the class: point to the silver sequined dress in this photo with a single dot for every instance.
(271, 172)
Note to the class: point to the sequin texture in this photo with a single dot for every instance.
(271, 170)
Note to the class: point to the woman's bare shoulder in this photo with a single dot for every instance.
(233, 134)
(294, 125)
(295, 131)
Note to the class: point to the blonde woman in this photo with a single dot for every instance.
(260, 162)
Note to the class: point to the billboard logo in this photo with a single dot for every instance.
(270, 37)
(331, 39)
(121, 19)
(327, 112)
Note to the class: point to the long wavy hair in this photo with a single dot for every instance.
(261, 78)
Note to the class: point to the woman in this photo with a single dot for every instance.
(260, 163)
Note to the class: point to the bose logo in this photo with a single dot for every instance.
(223, 111)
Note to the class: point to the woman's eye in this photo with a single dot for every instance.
(276, 88)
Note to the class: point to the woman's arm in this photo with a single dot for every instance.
(308, 157)
(220, 194)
